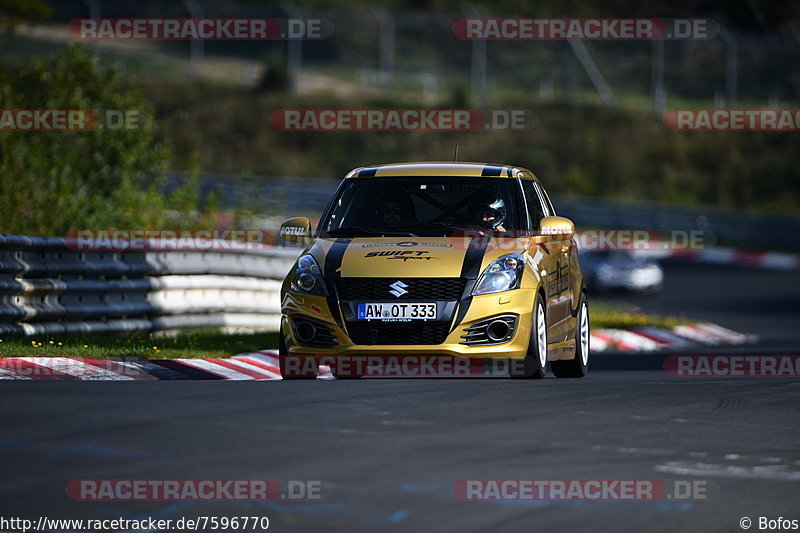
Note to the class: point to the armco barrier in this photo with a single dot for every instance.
(47, 288)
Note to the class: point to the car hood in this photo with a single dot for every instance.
(381, 257)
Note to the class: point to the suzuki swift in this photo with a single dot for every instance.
(456, 259)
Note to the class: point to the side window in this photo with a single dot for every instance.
(548, 206)
(533, 202)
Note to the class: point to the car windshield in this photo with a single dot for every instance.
(422, 206)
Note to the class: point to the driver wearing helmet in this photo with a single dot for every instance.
(395, 209)
(490, 214)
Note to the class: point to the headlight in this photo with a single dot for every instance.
(307, 277)
(503, 274)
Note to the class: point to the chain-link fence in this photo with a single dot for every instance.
(375, 52)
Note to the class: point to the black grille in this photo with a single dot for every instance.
(398, 332)
(367, 289)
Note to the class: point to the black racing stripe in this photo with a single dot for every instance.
(367, 172)
(333, 260)
(491, 171)
(470, 269)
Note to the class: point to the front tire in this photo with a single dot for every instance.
(534, 365)
(282, 342)
(578, 366)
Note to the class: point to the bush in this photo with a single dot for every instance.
(56, 181)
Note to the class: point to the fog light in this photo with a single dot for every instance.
(498, 330)
(493, 330)
(305, 331)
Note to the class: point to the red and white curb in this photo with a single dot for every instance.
(651, 339)
(729, 256)
(265, 366)
(262, 366)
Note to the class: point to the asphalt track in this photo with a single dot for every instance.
(388, 452)
(765, 303)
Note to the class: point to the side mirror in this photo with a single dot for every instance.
(557, 226)
(296, 229)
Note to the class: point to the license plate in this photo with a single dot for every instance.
(397, 311)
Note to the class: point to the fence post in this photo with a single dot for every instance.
(731, 67)
(94, 8)
(588, 64)
(294, 50)
(386, 31)
(478, 70)
(657, 78)
(195, 45)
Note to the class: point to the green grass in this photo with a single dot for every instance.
(200, 343)
(604, 314)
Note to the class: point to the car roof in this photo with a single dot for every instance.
(441, 168)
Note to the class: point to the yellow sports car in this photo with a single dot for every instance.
(451, 259)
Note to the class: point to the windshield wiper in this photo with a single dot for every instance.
(369, 231)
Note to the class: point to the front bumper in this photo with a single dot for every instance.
(518, 303)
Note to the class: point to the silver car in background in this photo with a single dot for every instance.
(607, 271)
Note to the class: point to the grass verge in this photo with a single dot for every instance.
(603, 314)
(189, 344)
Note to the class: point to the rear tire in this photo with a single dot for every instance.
(534, 365)
(578, 366)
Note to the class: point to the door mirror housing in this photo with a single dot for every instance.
(557, 226)
(296, 229)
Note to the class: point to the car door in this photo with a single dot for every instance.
(569, 269)
(555, 262)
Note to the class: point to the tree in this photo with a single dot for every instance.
(54, 181)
